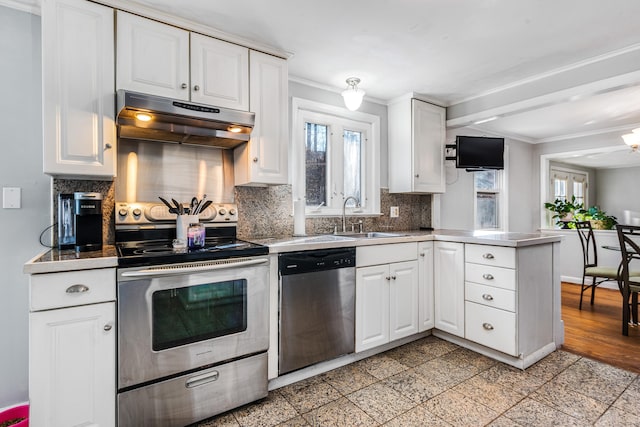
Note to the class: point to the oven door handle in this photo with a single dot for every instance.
(195, 268)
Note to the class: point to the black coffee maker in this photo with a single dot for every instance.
(80, 221)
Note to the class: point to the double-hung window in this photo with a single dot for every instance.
(489, 204)
(335, 157)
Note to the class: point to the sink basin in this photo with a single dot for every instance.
(371, 235)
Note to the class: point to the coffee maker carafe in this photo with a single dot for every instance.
(80, 221)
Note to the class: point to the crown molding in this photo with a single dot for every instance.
(29, 6)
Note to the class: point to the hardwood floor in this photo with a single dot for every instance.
(596, 331)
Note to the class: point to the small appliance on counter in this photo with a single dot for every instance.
(80, 221)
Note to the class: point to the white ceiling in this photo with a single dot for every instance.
(549, 69)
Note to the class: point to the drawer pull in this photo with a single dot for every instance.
(76, 289)
(488, 256)
(488, 297)
(487, 276)
(488, 326)
(202, 379)
(108, 327)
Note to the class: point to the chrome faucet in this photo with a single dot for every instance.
(344, 207)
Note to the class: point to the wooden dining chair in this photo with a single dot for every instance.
(629, 238)
(590, 267)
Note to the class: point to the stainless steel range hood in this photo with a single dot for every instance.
(155, 118)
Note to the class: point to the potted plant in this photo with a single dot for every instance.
(563, 210)
(598, 218)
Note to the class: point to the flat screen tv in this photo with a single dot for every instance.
(479, 152)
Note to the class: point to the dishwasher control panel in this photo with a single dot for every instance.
(316, 260)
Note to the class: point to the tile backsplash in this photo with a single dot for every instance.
(106, 188)
(268, 212)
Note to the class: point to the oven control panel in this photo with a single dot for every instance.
(140, 213)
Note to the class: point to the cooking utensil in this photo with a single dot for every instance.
(179, 206)
(166, 203)
(194, 204)
(199, 205)
(204, 206)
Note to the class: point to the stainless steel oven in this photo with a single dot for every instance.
(192, 326)
(180, 322)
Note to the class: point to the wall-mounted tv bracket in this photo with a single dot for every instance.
(450, 152)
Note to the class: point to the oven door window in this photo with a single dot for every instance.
(197, 313)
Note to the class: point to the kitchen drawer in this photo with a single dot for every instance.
(386, 254)
(503, 299)
(71, 288)
(499, 277)
(499, 256)
(491, 327)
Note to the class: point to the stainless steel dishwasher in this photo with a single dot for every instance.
(317, 306)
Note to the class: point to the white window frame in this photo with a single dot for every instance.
(502, 202)
(571, 175)
(306, 110)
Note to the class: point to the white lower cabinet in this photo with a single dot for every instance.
(72, 350)
(386, 295)
(425, 287)
(448, 268)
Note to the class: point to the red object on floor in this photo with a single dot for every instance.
(21, 411)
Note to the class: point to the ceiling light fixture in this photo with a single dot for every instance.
(352, 94)
(632, 139)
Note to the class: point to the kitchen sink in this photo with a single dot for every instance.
(371, 235)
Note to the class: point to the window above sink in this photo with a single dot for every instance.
(335, 155)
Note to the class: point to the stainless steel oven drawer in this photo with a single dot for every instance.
(190, 398)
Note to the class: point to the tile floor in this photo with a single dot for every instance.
(432, 382)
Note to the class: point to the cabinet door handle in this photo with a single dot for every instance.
(76, 289)
(422, 255)
(393, 277)
(196, 88)
(183, 86)
(488, 297)
(108, 146)
(388, 278)
(417, 175)
(255, 160)
(108, 327)
(488, 326)
(488, 256)
(487, 276)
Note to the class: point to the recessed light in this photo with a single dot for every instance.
(143, 117)
(234, 129)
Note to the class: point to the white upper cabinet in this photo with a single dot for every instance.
(416, 147)
(264, 159)
(219, 73)
(78, 94)
(152, 57)
(159, 59)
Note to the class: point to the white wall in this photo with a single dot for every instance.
(20, 166)
(618, 190)
(522, 170)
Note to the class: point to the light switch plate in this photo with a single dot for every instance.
(395, 212)
(11, 197)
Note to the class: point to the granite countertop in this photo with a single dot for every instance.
(288, 243)
(56, 260)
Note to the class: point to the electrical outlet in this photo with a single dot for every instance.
(395, 212)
